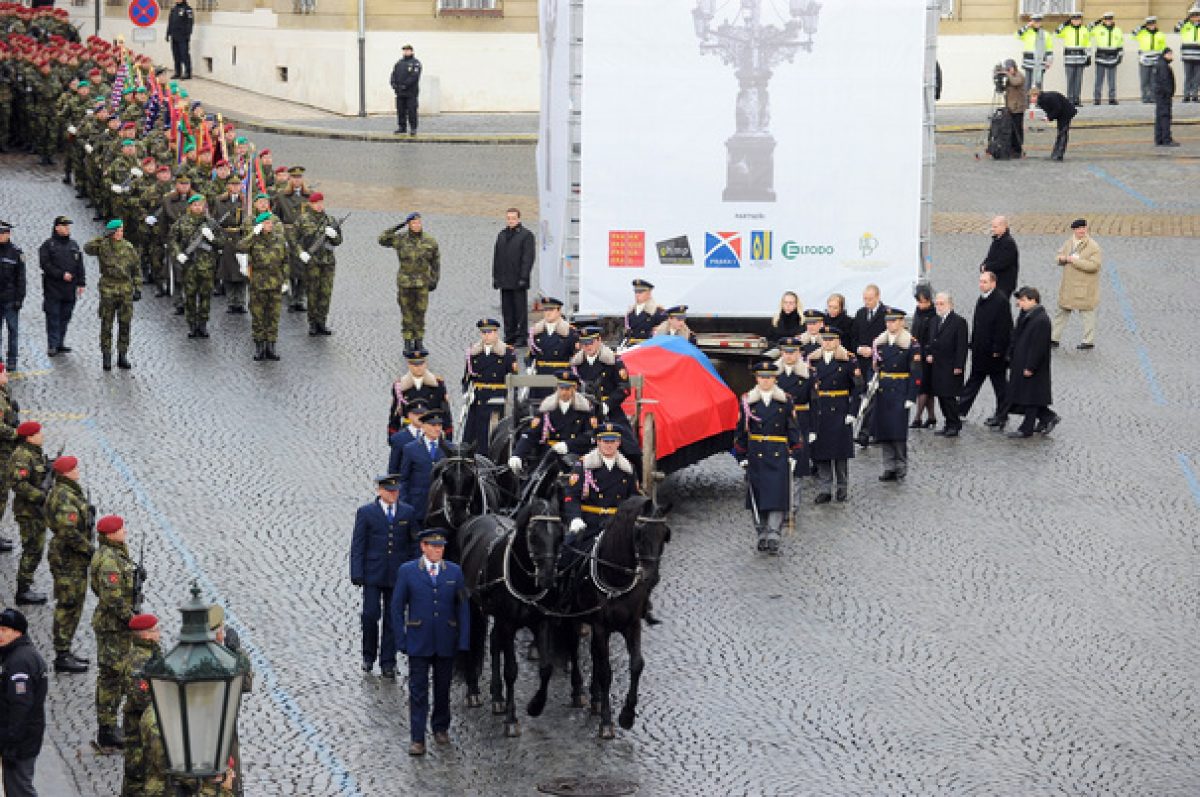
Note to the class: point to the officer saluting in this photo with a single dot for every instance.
(764, 442)
(836, 394)
(429, 609)
(564, 423)
(643, 316)
(489, 362)
(898, 363)
(552, 342)
(598, 484)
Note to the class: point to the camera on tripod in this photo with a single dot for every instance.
(1000, 78)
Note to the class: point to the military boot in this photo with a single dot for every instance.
(123, 362)
(313, 329)
(260, 350)
(107, 361)
(65, 662)
(110, 736)
(202, 329)
(193, 331)
(26, 596)
(418, 343)
(271, 355)
(6, 545)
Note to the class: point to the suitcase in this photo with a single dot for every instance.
(999, 144)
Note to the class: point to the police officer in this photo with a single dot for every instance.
(552, 343)
(764, 442)
(431, 615)
(1032, 39)
(795, 379)
(145, 637)
(316, 234)
(836, 394)
(27, 469)
(63, 281)
(267, 257)
(12, 290)
(676, 324)
(23, 686)
(418, 384)
(113, 576)
(898, 363)
(71, 518)
(179, 34)
(564, 424)
(384, 533)
(603, 377)
(1189, 52)
(1151, 42)
(406, 83)
(1076, 41)
(119, 281)
(643, 315)
(420, 271)
(599, 482)
(489, 362)
(1110, 49)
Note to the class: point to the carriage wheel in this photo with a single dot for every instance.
(649, 464)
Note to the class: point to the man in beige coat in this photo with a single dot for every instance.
(1016, 102)
(1080, 287)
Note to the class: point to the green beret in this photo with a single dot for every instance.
(264, 216)
(115, 224)
(126, 90)
(261, 195)
(83, 83)
(183, 93)
(240, 140)
(129, 142)
(195, 198)
(140, 90)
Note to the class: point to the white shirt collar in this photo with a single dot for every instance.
(891, 339)
(641, 306)
(487, 349)
(828, 355)
(608, 463)
(563, 406)
(986, 295)
(591, 360)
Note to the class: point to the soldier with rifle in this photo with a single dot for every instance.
(72, 520)
(152, 202)
(288, 202)
(897, 362)
(115, 583)
(174, 207)
(194, 243)
(266, 249)
(28, 473)
(317, 233)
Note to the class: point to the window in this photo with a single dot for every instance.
(1051, 8)
(947, 11)
(470, 8)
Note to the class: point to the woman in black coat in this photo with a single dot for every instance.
(1029, 382)
(836, 317)
(922, 330)
(787, 322)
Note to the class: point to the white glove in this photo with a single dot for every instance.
(791, 464)
(89, 111)
(604, 409)
(559, 448)
(152, 220)
(745, 463)
(850, 419)
(88, 148)
(258, 228)
(207, 233)
(812, 437)
(577, 525)
(330, 232)
(136, 172)
(243, 261)
(908, 405)
(514, 463)
(287, 288)
(305, 257)
(116, 189)
(181, 257)
(71, 129)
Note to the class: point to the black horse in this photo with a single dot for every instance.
(462, 486)
(608, 586)
(508, 567)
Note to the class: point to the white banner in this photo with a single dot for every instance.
(725, 173)
(554, 148)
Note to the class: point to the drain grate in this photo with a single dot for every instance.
(587, 787)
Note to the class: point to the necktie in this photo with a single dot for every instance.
(432, 449)
(433, 571)
(391, 512)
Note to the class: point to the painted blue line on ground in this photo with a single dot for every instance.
(1190, 475)
(1156, 391)
(283, 699)
(1116, 183)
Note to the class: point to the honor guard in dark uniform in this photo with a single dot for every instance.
(764, 443)
(416, 465)
(598, 484)
(643, 316)
(810, 338)
(489, 362)
(603, 377)
(564, 423)
(676, 324)
(552, 343)
(835, 396)
(418, 385)
(795, 379)
(897, 361)
(431, 613)
(410, 431)
(383, 539)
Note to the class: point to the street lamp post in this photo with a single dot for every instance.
(197, 690)
(753, 48)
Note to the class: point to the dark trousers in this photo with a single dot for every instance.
(1146, 78)
(406, 113)
(18, 777)
(58, 317)
(11, 320)
(181, 52)
(1103, 72)
(1162, 120)
(514, 305)
(949, 405)
(1075, 82)
(1034, 416)
(979, 375)
(376, 603)
(1191, 79)
(1060, 141)
(418, 694)
(1018, 133)
(830, 471)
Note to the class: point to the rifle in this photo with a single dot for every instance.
(468, 400)
(139, 579)
(48, 479)
(872, 388)
(89, 518)
(322, 241)
(194, 244)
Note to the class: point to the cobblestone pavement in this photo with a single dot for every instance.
(1017, 619)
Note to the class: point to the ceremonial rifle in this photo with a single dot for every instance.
(139, 579)
(322, 241)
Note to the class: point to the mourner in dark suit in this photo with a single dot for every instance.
(765, 443)
(643, 316)
(898, 363)
(945, 361)
(383, 531)
(429, 608)
(991, 332)
(835, 396)
(489, 362)
(1002, 257)
(795, 379)
(416, 467)
(1029, 389)
(564, 422)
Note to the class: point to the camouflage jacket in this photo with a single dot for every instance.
(8, 428)
(69, 518)
(420, 262)
(27, 468)
(133, 111)
(112, 575)
(137, 700)
(268, 254)
(154, 763)
(118, 173)
(311, 238)
(187, 231)
(120, 266)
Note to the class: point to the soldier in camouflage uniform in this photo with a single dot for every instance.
(289, 201)
(316, 234)
(119, 263)
(45, 92)
(175, 207)
(27, 471)
(75, 114)
(224, 635)
(420, 270)
(195, 242)
(113, 579)
(145, 636)
(70, 518)
(8, 441)
(119, 176)
(267, 248)
(7, 79)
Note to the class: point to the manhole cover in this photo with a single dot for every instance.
(580, 787)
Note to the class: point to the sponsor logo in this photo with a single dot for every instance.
(760, 246)
(792, 250)
(867, 244)
(626, 248)
(723, 250)
(675, 251)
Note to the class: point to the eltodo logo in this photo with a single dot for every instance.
(792, 250)
(867, 244)
(723, 250)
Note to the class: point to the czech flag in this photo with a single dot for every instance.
(695, 413)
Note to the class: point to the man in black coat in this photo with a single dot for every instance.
(63, 281)
(945, 360)
(179, 34)
(1029, 389)
(869, 323)
(1162, 86)
(1060, 110)
(23, 686)
(1002, 257)
(512, 264)
(991, 332)
(406, 83)
(12, 290)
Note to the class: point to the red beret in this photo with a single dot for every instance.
(148, 160)
(142, 622)
(110, 523)
(316, 196)
(264, 152)
(281, 169)
(28, 429)
(65, 464)
(2, 368)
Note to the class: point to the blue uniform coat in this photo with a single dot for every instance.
(432, 618)
(798, 386)
(836, 393)
(594, 491)
(573, 427)
(397, 441)
(377, 549)
(899, 369)
(766, 436)
(416, 474)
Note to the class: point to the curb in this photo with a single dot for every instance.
(981, 127)
(305, 131)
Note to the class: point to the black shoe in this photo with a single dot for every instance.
(1019, 434)
(193, 331)
(123, 362)
(762, 538)
(367, 666)
(324, 330)
(842, 495)
(950, 433)
(65, 662)
(930, 423)
(863, 439)
(271, 355)
(66, 180)
(97, 217)
(179, 310)
(888, 476)
(231, 308)
(1113, 102)
(240, 309)
(941, 432)
(917, 424)
(399, 131)
(1086, 346)
(65, 350)
(51, 352)
(107, 361)
(1095, 102)
(6, 545)
(1049, 425)
(160, 292)
(79, 195)
(389, 673)
(773, 546)
(260, 350)
(993, 421)
(312, 330)
(413, 134)
(202, 329)
(110, 737)
(1054, 344)
(419, 343)
(823, 498)
(29, 597)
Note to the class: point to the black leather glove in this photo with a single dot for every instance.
(358, 582)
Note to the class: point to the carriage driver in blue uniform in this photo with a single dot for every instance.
(598, 484)
(564, 424)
